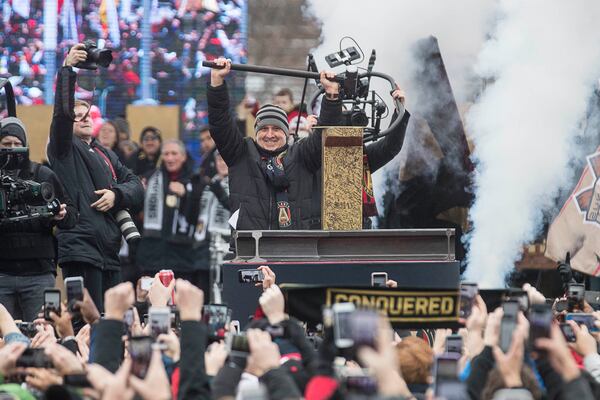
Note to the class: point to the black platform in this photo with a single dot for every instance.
(243, 298)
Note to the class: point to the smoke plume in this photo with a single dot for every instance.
(392, 27)
(542, 61)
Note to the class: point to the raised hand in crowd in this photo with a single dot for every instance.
(44, 337)
(439, 341)
(585, 344)
(189, 301)
(87, 308)
(264, 354)
(383, 361)
(475, 325)
(215, 357)
(155, 386)
(42, 378)
(62, 322)
(159, 294)
(9, 354)
(491, 335)
(269, 277)
(112, 386)
(273, 304)
(171, 343)
(76, 55)
(559, 354)
(217, 76)
(141, 295)
(7, 323)
(64, 361)
(117, 300)
(511, 363)
(535, 297)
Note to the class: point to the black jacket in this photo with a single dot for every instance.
(32, 250)
(180, 253)
(193, 381)
(140, 164)
(250, 191)
(96, 239)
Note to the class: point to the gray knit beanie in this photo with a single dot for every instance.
(270, 114)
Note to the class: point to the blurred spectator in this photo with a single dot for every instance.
(183, 37)
(284, 99)
(207, 150)
(171, 215)
(108, 137)
(144, 161)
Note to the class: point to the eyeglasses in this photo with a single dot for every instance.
(149, 138)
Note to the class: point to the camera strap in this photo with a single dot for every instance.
(10, 97)
(107, 161)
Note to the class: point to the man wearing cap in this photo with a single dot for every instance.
(270, 182)
(27, 249)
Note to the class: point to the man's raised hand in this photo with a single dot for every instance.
(217, 76)
(76, 55)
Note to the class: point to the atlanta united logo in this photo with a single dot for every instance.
(588, 199)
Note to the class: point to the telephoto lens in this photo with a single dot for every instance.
(128, 228)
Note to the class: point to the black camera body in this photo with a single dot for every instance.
(34, 358)
(23, 201)
(95, 57)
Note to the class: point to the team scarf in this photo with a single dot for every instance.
(368, 196)
(276, 175)
(166, 209)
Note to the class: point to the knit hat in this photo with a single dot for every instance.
(270, 114)
(12, 126)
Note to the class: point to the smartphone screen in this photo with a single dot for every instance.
(583, 319)
(342, 328)
(74, 288)
(379, 279)
(160, 320)
(509, 323)
(146, 283)
(445, 370)
(540, 320)
(51, 303)
(216, 317)
(568, 333)
(468, 292)
(521, 297)
(140, 349)
(364, 327)
(454, 344)
(250, 276)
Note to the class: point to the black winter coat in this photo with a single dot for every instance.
(250, 190)
(96, 239)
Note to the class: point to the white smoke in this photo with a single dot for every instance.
(392, 27)
(543, 58)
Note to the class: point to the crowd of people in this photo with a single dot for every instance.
(125, 354)
(184, 33)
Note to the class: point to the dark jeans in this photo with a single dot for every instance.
(95, 280)
(23, 296)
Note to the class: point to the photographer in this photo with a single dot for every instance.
(27, 248)
(96, 179)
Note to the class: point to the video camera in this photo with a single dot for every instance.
(23, 200)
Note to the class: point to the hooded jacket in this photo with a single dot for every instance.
(83, 169)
